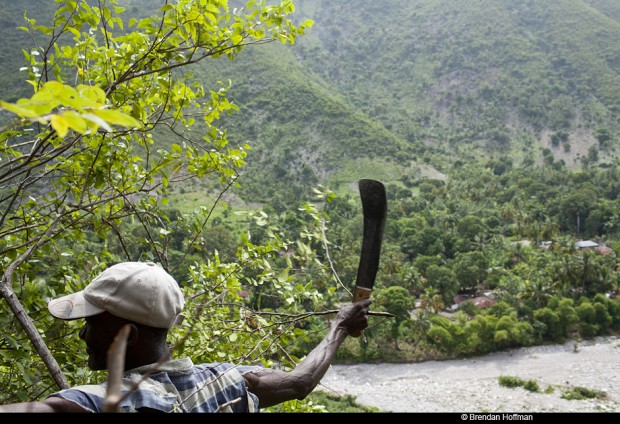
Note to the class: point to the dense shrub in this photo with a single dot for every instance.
(551, 324)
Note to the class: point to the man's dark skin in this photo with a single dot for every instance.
(147, 345)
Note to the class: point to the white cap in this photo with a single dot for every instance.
(140, 292)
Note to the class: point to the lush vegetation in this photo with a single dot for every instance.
(509, 236)
(85, 185)
(497, 144)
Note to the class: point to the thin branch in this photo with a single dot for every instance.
(329, 259)
(119, 236)
(224, 405)
(116, 368)
(298, 317)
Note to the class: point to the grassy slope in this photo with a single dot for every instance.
(300, 131)
(460, 72)
(454, 81)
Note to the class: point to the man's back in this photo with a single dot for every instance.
(177, 386)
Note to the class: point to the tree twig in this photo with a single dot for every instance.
(116, 368)
(328, 312)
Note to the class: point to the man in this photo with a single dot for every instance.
(146, 299)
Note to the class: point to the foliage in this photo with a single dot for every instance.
(512, 382)
(568, 393)
(502, 326)
(112, 125)
(582, 393)
(398, 302)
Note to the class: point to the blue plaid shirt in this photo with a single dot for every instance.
(176, 386)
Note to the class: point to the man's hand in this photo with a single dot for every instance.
(353, 317)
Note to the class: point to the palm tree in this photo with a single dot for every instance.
(431, 300)
(538, 290)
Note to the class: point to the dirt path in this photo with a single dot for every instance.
(471, 385)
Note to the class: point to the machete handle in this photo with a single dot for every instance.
(361, 293)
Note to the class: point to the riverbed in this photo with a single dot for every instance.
(472, 384)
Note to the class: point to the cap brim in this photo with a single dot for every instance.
(73, 306)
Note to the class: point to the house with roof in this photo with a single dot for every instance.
(592, 245)
(586, 244)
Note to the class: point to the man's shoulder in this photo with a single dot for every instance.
(221, 367)
(92, 389)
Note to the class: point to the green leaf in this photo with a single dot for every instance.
(76, 122)
(236, 39)
(23, 111)
(92, 92)
(145, 23)
(99, 122)
(116, 117)
(60, 125)
(74, 31)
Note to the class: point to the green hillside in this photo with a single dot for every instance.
(414, 82)
(387, 86)
(12, 85)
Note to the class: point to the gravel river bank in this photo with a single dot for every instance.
(472, 384)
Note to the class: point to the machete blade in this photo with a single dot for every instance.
(374, 205)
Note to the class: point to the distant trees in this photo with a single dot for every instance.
(604, 137)
(490, 239)
(470, 268)
(559, 137)
(443, 279)
(399, 302)
(504, 326)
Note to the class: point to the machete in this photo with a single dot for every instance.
(374, 205)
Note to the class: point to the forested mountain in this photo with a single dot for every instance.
(436, 82)
(391, 88)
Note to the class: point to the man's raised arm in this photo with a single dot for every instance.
(274, 386)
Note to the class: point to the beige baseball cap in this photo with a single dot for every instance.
(141, 292)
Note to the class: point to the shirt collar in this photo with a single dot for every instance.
(174, 365)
